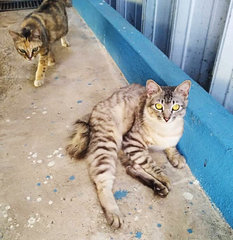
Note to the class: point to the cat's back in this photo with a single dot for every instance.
(51, 17)
(120, 107)
(125, 96)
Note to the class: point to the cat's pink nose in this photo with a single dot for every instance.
(166, 119)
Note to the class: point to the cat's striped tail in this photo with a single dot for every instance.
(77, 148)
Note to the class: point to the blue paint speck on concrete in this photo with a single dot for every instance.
(150, 207)
(56, 78)
(159, 225)
(120, 194)
(38, 184)
(55, 190)
(72, 177)
(189, 230)
(138, 235)
(48, 177)
(79, 101)
(190, 182)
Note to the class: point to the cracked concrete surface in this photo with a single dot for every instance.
(45, 195)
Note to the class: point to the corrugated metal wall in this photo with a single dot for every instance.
(195, 34)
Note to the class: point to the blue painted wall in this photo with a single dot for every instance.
(207, 142)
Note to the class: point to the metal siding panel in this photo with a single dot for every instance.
(197, 27)
(120, 7)
(221, 87)
(130, 12)
(180, 31)
(201, 14)
(215, 30)
(138, 14)
(161, 35)
(229, 96)
(147, 18)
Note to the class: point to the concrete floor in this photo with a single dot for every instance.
(46, 196)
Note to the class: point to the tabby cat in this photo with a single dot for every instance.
(132, 119)
(39, 30)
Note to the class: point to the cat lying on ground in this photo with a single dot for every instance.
(132, 119)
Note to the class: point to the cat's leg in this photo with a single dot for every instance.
(64, 42)
(136, 150)
(102, 171)
(41, 69)
(138, 172)
(175, 158)
(51, 59)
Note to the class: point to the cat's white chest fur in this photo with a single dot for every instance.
(161, 135)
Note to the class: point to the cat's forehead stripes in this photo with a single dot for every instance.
(168, 94)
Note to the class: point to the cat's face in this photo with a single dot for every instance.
(27, 45)
(167, 103)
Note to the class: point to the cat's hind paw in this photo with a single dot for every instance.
(38, 83)
(114, 219)
(162, 185)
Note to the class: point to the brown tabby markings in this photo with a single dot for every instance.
(38, 31)
(132, 119)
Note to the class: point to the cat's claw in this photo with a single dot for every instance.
(38, 83)
(114, 219)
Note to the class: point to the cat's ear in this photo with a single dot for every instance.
(184, 88)
(152, 87)
(14, 35)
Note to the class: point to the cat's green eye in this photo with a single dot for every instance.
(22, 51)
(35, 49)
(176, 107)
(158, 106)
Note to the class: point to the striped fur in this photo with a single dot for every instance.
(129, 120)
(38, 31)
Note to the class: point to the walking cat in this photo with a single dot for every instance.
(38, 31)
(132, 119)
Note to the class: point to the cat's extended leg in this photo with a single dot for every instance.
(175, 158)
(102, 171)
(64, 42)
(51, 59)
(136, 151)
(138, 172)
(41, 69)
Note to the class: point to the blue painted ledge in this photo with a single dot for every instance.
(207, 142)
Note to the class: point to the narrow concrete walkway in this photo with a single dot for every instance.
(46, 196)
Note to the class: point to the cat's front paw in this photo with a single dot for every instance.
(66, 44)
(114, 218)
(178, 161)
(51, 62)
(38, 83)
